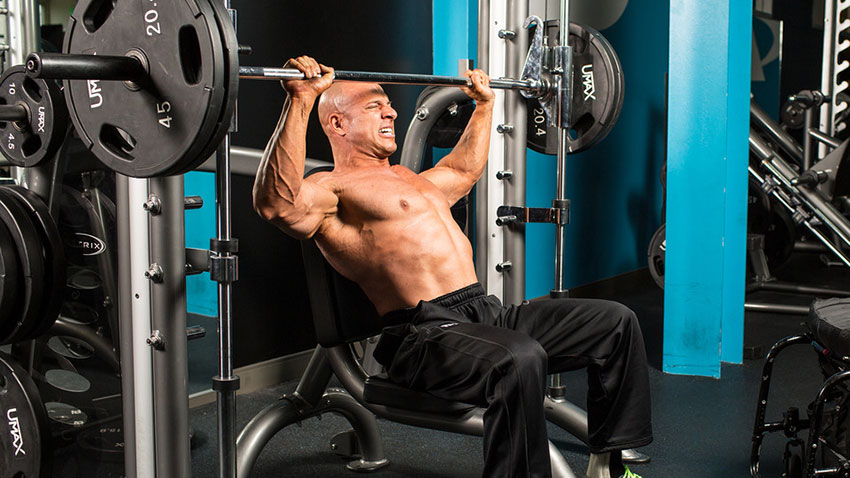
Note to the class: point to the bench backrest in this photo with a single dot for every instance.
(341, 311)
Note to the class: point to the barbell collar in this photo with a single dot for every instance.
(13, 113)
(64, 66)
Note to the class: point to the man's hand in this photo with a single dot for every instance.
(480, 90)
(317, 77)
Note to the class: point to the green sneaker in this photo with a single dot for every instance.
(629, 474)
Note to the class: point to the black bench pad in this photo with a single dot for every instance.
(379, 390)
(829, 321)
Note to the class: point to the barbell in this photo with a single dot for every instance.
(151, 86)
(132, 69)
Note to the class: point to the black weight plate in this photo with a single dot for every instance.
(8, 275)
(161, 125)
(597, 88)
(31, 265)
(54, 259)
(230, 63)
(656, 255)
(29, 143)
(598, 92)
(24, 435)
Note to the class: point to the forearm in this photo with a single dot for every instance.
(281, 171)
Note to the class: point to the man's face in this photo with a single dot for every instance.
(370, 120)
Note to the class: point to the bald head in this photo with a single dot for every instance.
(341, 96)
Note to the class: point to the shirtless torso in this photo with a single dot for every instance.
(385, 227)
(401, 249)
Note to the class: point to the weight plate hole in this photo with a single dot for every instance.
(584, 123)
(31, 146)
(117, 141)
(32, 89)
(190, 54)
(97, 14)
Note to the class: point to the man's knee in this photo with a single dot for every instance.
(526, 357)
(621, 317)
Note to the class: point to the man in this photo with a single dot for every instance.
(391, 231)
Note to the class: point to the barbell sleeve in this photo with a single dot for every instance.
(13, 113)
(64, 66)
(131, 68)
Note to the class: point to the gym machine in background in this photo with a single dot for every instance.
(798, 201)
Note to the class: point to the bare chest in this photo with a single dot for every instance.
(388, 196)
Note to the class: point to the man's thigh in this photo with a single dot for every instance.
(574, 333)
(455, 360)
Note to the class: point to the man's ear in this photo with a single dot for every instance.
(335, 121)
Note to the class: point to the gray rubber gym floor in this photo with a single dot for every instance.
(703, 427)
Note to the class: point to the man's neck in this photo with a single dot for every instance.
(359, 160)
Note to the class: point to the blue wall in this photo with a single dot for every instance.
(201, 292)
(455, 23)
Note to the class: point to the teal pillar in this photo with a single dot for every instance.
(455, 27)
(708, 97)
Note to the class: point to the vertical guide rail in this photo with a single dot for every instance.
(563, 60)
(563, 54)
(495, 274)
(125, 330)
(223, 269)
(226, 383)
(515, 153)
(168, 321)
(481, 216)
(140, 323)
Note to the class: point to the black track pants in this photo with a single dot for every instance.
(465, 346)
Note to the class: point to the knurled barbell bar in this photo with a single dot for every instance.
(132, 69)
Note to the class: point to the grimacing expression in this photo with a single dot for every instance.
(367, 118)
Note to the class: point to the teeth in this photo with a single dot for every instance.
(385, 130)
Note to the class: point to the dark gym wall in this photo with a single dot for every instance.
(802, 45)
(270, 306)
(382, 35)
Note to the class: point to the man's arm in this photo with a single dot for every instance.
(457, 172)
(281, 195)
